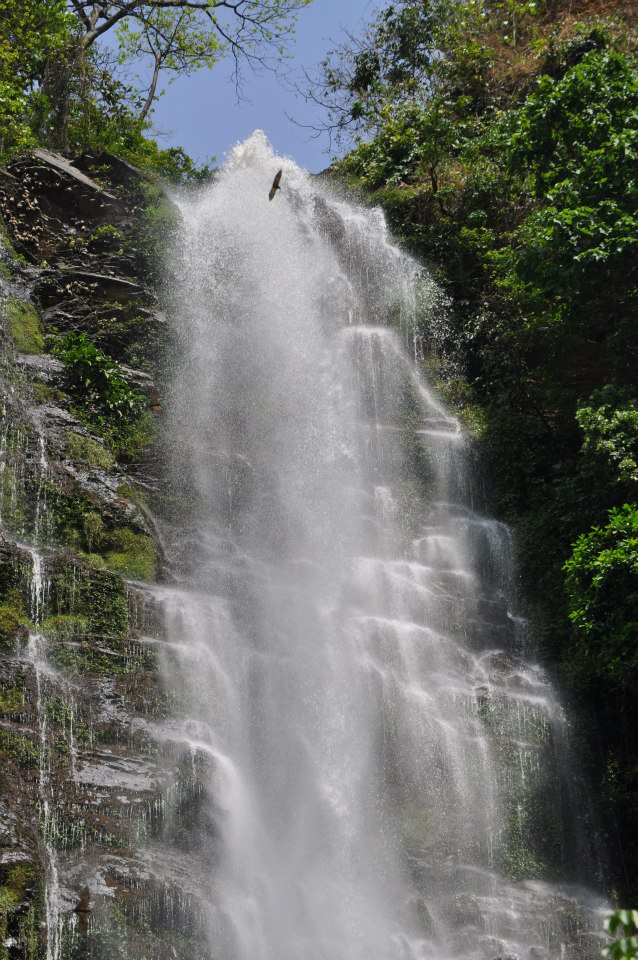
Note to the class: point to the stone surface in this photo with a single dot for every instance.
(88, 771)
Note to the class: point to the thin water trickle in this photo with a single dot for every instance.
(380, 776)
(42, 672)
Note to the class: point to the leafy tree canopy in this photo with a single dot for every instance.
(32, 32)
(602, 580)
(61, 87)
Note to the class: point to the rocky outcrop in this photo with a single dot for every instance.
(89, 776)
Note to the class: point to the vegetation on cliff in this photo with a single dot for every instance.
(501, 138)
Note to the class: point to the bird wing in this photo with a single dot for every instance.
(275, 185)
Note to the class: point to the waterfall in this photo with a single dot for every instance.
(375, 770)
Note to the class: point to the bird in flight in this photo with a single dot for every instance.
(275, 185)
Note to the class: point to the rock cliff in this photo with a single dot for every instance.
(88, 776)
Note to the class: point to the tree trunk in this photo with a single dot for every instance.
(153, 87)
(58, 86)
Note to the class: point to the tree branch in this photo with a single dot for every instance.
(79, 9)
(153, 87)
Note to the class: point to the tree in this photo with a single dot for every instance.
(251, 30)
(32, 33)
(178, 36)
(174, 40)
(610, 426)
(393, 62)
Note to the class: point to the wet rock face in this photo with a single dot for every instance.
(93, 791)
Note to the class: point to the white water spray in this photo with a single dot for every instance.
(381, 776)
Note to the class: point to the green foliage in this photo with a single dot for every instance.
(17, 886)
(129, 439)
(154, 232)
(19, 749)
(177, 41)
(602, 579)
(393, 65)
(65, 627)
(108, 121)
(43, 393)
(132, 555)
(12, 698)
(577, 138)
(97, 596)
(83, 449)
(410, 142)
(12, 625)
(60, 86)
(105, 238)
(97, 381)
(521, 864)
(622, 925)
(610, 429)
(23, 324)
(32, 32)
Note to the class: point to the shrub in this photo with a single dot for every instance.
(602, 580)
(96, 380)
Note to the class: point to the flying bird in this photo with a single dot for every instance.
(275, 185)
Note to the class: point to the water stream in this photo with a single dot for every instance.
(379, 771)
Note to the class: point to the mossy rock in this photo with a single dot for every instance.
(104, 239)
(416, 826)
(98, 596)
(65, 627)
(50, 395)
(86, 450)
(5, 241)
(94, 658)
(19, 749)
(132, 555)
(16, 571)
(520, 863)
(17, 881)
(23, 324)
(135, 494)
(13, 626)
(21, 910)
(11, 699)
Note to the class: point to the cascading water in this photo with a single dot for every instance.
(375, 772)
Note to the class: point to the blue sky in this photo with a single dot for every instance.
(201, 112)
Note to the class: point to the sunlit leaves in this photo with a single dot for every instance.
(602, 581)
(623, 926)
(32, 32)
(610, 430)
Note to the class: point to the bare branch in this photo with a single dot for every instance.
(79, 9)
